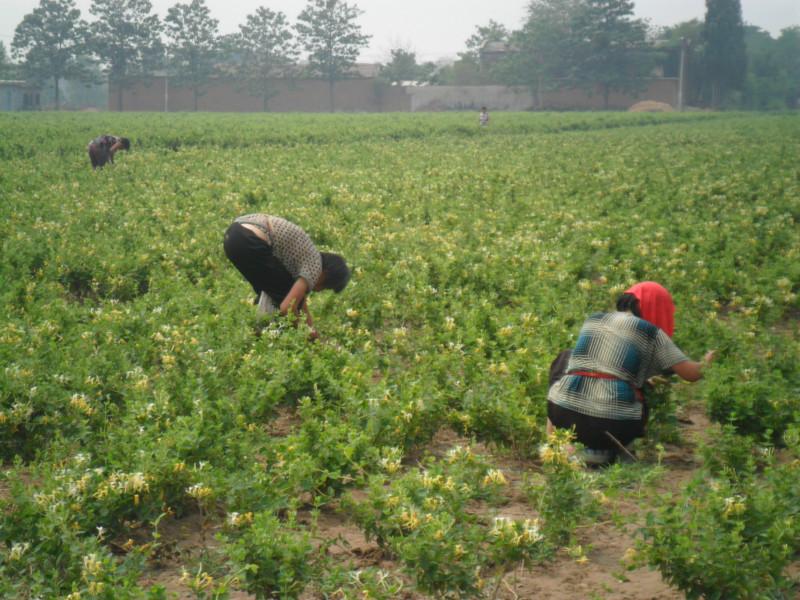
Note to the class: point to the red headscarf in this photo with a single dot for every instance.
(655, 304)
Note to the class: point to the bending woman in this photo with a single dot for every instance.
(282, 264)
(102, 149)
(597, 389)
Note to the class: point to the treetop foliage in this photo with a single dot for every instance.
(329, 33)
(725, 52)
(193, 34)
(597, 45)
(126, 38)
(266, 49)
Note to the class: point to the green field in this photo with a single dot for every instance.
(139, 390)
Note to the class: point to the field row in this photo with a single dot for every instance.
(138, 386)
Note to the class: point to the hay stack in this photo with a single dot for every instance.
(651, 106)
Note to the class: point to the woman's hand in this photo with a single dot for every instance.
(294, 299)
(693, 371)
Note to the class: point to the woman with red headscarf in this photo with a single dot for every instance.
(597, 387)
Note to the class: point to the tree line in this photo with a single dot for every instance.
(599, 46)
(596, 45)
(127, 42)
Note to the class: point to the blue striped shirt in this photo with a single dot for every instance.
(620, 345)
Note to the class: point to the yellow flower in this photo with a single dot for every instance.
(734, 505)
(236, 519)
(96, 588)
(409, 519)
(91, 566)
(630, 556)
(199, 491)
(80, 402)
(495, 477)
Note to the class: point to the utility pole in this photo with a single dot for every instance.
(685, 42)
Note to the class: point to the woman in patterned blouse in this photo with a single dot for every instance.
(102, 149)
(282, 264)
(597, 387)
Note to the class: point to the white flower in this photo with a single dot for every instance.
(17, 550)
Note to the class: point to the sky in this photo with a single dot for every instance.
(434, 29)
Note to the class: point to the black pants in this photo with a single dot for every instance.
(99, 155)
(591, 431)
(255, 260)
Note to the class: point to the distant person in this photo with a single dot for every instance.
(597, 388)
(102, 149)
(483, 116)
(282, 264)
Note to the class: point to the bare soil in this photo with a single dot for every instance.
(601, 574)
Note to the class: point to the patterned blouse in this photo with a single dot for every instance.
(291, 245)
(104, 141)
(619, 344)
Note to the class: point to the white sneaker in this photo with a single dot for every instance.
(594, 457)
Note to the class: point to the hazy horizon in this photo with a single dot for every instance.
(434, 29)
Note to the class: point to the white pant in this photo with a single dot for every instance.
(265, 305)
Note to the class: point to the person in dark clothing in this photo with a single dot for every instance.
(282, 264)
(102, 149)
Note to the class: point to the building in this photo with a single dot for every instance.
(492, 53)
(19, 95)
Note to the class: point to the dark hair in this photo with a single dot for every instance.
(337, 273)
(629, 303)
(126, 143)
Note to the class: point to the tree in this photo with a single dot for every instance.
(126, 38)
(193, 44)
(545, 49)
(404, 67)
(7, 68)
(613, 52)
(788, 57)
(725, 54)
(51, 42)
(492, 32)
(764, 84)
(266, 49)
(329, 32)
(773, 69)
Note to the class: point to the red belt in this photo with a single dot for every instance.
(598, 375)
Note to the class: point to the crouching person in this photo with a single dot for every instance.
(596, 389)
(282, 264)
(102, 149)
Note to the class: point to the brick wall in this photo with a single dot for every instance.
(366, 95)
(497, 97)
(305, 95)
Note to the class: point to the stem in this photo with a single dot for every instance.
(499, 577)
